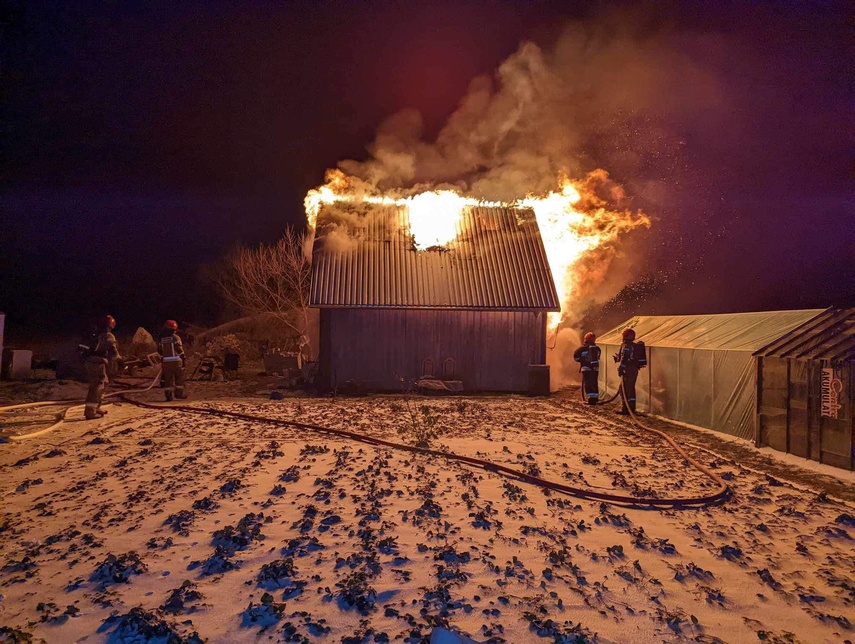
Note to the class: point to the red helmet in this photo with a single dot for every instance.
(628, 334)
(171, 324)
(109, 322)
(589, 337)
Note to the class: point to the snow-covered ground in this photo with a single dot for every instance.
(161, 526)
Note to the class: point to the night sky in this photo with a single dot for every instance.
(141, 140)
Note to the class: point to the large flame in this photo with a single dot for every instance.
(574, 220)
(433, 215)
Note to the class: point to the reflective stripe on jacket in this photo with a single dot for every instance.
(588, 355)
(171, 348)
(632, 356)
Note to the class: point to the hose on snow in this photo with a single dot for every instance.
(73, 404)
(720, 494)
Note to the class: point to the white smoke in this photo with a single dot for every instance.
(546, 111)
(563, 370)
(581, 105)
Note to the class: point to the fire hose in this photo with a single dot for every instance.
(601, 402)
(75, 404)
(721, 494)
(723, 488)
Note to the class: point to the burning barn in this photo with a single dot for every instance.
(472, 310)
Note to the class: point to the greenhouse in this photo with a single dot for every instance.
(701, 368)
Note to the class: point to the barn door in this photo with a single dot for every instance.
(835, 415)
(772, 404)
(797, 425)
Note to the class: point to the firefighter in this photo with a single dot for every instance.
(171, 349)
(105, 351)
(588, 356)
(632, 357)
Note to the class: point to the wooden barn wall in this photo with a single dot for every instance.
(790, 416)
(835, 434)
(772, 403)
(486, 350)
(797, 395)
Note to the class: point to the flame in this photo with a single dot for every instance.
(338, 187)
(561, 228)
(433, 215)
(573, 221)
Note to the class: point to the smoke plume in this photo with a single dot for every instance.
(597, 98)
(667, 104)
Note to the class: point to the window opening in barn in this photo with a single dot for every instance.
(448, 366)
(427, 367)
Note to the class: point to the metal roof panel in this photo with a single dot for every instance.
(368, 259)
(828, 336)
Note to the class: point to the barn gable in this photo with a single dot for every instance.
(496, 262)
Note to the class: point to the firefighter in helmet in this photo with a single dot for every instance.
(105, 351)
(588, 356)
(632, 357)
(171, 349)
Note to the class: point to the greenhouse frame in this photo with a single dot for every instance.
(701, 368)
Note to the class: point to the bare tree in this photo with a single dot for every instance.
(272, 279)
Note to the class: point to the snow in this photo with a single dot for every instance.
(158, 525)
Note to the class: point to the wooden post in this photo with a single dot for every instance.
(758, 396)
(787, 420)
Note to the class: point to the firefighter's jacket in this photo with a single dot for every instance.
(106, 349)
(631, 355)
(170, 347)
(588, 356)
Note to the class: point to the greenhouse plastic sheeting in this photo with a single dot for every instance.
(700, 367)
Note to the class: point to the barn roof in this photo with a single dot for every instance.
(368, 259)
(828, 336)
(723, 331)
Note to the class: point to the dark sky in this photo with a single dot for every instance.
(141, 140)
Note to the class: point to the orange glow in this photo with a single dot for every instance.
(434, 216)
(574, 221)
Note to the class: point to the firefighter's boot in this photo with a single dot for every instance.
(90, 413)
(168, 396)
(101, 412)
(179, 393)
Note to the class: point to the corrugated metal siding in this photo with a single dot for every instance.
(497, 262)
(386, 349)
(829, 336)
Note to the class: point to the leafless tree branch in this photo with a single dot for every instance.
(273, 279)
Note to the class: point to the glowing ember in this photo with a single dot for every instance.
(573, 221)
